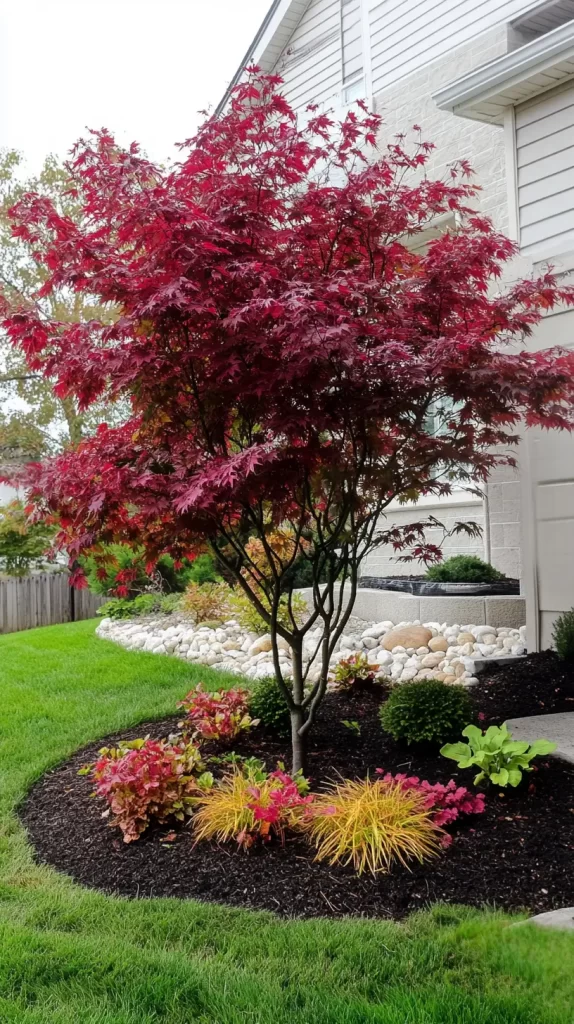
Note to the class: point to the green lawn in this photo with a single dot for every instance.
(72, 956)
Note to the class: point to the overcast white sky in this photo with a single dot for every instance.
(141, 68)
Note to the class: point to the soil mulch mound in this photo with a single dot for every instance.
(539, 684)
(517, 855)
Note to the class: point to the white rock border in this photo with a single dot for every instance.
(449, 653)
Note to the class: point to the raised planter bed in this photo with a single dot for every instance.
(426, 588)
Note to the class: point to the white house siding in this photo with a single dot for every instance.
(402, 105)
(545, 172)
(7, 494)
(311, 62)
(407, 35)
(422, 47)
(548, 502)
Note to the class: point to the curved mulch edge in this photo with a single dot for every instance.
(516, 856)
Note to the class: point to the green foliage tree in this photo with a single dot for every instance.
(23, 544)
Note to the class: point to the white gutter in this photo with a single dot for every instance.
(499, 76)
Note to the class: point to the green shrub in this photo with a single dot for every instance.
(464, 569)
(500, 758)
(203, 602)
(117, 608)
(201, 570)
(267, 703)
(169, 603)
(563, 635)
(246, 614)
(145, 604)
(426, 711)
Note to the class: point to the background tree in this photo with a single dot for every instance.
(23, 544)
(282, 350)
(40, 422)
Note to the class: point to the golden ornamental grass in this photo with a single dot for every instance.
(224, 813)
(370, 825)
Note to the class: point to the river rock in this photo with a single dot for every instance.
(408, 636)
(438, 643)
(432, 660)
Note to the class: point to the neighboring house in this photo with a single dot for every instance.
(491, 81)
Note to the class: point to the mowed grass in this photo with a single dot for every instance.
(73, 956)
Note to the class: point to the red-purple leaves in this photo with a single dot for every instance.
(217, 715)
(145, 780)
(279, 345)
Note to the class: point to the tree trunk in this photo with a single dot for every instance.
(298, 741)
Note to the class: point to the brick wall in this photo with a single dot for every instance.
(410, 102)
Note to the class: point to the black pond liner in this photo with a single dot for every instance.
(408, 585)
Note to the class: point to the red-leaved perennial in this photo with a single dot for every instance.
(217, 715)
(447, 801)
(145, 780)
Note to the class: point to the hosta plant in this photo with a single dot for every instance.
(354, 672)
(370, 825)
(446, 802)
(220, 715)
(146, 780)
(251, 804)
(500, 758)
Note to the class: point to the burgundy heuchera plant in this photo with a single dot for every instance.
(217, 715)
(282, 351)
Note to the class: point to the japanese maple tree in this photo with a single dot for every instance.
(293, 363)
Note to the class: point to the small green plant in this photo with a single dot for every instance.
(246, 614)
(500, 758)
(354, 672)
(563, 635)
(464, 569)
(204, 602)
(145, 604)
(426, 711)
(117, 608)
(267, 703)
(353, 727)
(169, 603)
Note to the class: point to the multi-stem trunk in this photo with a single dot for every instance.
(298, 740)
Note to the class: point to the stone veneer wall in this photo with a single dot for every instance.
(410, 102)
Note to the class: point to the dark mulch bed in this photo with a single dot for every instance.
(539, 684)
(518, 854)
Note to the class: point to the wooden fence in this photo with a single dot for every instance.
(43, 599)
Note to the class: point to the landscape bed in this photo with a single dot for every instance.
(516, 855)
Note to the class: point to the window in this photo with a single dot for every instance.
(353, 78)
